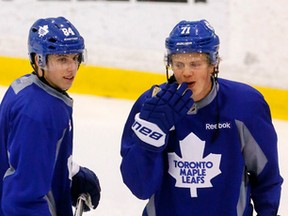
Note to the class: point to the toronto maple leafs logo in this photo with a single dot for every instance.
(43, 30)
(192, 170)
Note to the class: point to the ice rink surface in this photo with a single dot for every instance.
(98, 124)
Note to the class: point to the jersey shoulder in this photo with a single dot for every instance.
(30, 97)
(239, 91)
(242, 99)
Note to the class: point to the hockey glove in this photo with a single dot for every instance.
(161, 112)
(85, 182)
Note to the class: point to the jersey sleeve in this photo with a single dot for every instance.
(259, 142)
(141, 167)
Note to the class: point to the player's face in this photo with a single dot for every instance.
(194, 69)
(61, 70)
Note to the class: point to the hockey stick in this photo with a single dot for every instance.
(82, 199)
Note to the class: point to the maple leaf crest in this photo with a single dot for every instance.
(43, 30)
(192, 170)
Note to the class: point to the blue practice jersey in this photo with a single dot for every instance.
(36, 132)
(218, 158)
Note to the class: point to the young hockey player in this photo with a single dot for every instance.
(37, 175)
(198, 144)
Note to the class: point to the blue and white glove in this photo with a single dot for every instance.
(161, 112)
(85, 182)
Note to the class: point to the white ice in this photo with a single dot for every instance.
(98, 124)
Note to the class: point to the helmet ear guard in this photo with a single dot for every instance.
(83, 57)
(167, 60)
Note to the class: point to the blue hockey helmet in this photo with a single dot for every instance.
(54, 36)
(191, 37)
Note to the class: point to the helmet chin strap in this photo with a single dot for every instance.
(42, 78)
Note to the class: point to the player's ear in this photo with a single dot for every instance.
(211, 69)
(36, 59)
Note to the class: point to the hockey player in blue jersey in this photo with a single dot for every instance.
(200, 145)
(37, 174)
